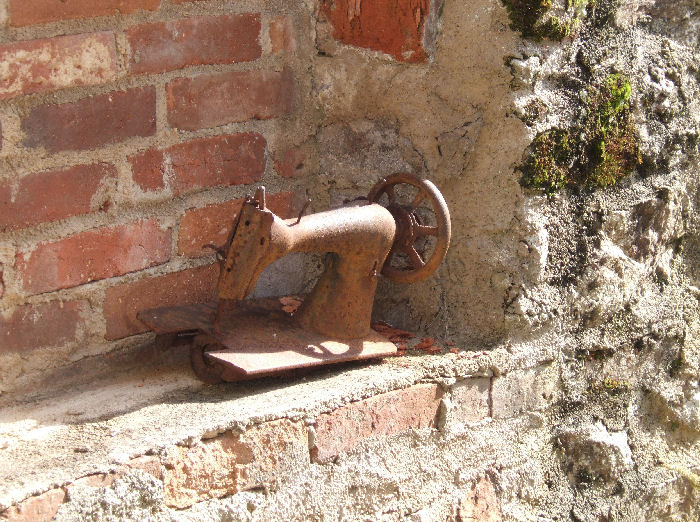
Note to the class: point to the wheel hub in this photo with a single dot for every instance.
(405, 225)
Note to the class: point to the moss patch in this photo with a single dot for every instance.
(598, 150)
(615, 386)
(542, 19)
(547, 167)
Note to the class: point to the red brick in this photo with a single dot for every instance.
(231, 159)
(212, 224)
(47, 196)
(212, 100)
(123, 302)
(92, 255)
(148, 463)
(27, 12)
(54, 63)
(92, 122)
(290, 163)
(148, 169)
(194, 41)
(262, 456)
(382, 415)
(283, 36)
(40, 326)
(396, 28)
(41, 508)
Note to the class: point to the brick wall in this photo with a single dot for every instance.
(467, 428)
(130, 131)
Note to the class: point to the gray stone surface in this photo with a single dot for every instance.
(470, 400)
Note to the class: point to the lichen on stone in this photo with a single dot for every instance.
(598, 150)
(615, 386)
(545, 19)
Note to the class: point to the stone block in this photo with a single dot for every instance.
(40, 508)
(470, 400)
(523, 390)
(481, 503)
(148, 463)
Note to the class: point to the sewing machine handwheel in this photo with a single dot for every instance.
(410, 227)
(204, 369)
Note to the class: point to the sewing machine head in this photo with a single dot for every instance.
(248, 248)
(363, 239)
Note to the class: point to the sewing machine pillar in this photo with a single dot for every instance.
(340, 306)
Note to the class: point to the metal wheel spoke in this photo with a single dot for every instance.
(418, 199)
(423, 230)
(414, 257)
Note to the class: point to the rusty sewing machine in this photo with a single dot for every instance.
(237, 338)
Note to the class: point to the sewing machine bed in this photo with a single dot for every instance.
(260, 337)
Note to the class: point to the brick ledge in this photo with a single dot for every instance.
(166, 421)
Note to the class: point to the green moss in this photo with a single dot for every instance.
(614, 386)
(579, 4)
(535, 19)
(557, 29)
(675, 366)
(612, 148)
(547, 167)
(597, 151)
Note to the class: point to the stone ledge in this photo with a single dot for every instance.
(181, 432)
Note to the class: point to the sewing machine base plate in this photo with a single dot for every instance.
(257, 338)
